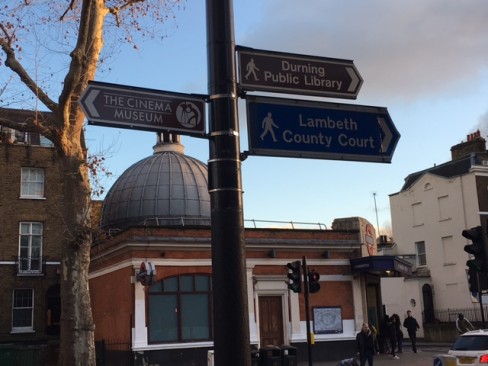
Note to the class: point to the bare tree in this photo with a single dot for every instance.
(33, 33)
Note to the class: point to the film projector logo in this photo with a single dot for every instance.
(188, 115)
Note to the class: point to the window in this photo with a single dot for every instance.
(443, 204)
(30, 247)
(22, 310)
(449, 249)
(417, 214)
(421, 256)
(179, 309)
(32, 183)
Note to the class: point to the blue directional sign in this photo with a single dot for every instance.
(319, 130)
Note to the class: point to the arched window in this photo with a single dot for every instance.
(180, 308)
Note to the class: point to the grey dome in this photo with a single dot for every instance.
(165, 189)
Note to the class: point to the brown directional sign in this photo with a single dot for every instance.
(297, 74)
(143, 109)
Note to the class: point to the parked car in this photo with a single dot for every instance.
(471, 348)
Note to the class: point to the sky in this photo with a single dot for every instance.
(424, 60)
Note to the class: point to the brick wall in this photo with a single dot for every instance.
(14, 210)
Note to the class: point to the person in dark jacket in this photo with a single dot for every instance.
(398, 331)
(383, 338)
(365, 345)
(392, 337)
(410, 323)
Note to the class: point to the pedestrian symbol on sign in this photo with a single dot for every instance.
(268, 127)
(251, 69)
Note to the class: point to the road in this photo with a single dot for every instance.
(423, 357)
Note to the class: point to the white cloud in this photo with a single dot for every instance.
(404, 50)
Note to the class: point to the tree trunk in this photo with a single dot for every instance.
(77, 328)
(77, 347)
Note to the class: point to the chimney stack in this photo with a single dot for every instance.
(475, 143)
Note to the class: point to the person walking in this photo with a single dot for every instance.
(383, 336)
(410, 323)
(398, 331)
(392, 337)
(365, 345)
(463, 325)
(373, 330)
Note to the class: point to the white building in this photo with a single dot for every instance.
(428, 216)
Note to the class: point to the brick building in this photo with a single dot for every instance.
(31, 228)
(157, 216)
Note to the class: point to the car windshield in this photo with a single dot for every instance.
(471, 343)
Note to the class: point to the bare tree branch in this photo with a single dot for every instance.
(12, 63)
(28, 121)
(69, 8)
(85, 54)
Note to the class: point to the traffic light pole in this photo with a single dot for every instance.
(307, 310)
(480, 300)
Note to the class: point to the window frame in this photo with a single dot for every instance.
(178, 295)
(28, 183)
(28, 260)
(16, 309)
(421, 256)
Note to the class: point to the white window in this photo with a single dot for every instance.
(449, 249)
(443, 204)
(22, 310)
(32, 183)
(30, 247)
(417, 214)
(421, 256)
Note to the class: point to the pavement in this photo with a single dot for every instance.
(426, 352)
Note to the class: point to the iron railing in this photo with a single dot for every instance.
(450, 315)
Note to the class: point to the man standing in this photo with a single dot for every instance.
(365, 345)
(410, 323)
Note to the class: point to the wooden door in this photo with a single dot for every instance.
(270, 321)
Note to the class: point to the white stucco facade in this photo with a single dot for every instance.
(431, 213)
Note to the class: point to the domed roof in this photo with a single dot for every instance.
(165, 189)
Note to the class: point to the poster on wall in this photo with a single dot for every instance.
(327, 320)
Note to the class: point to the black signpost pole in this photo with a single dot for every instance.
(230, 310)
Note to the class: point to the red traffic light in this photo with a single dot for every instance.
(313, 281)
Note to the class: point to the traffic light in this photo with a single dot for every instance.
(478, 248)
(295, 276)
(313, 281)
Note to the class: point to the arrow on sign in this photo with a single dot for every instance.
(90, 102)
(388, 135)
(355, 79)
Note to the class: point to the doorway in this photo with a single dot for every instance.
(428, 300)
(271, 321)
(53, 307)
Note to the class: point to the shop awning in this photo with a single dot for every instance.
(383, 265)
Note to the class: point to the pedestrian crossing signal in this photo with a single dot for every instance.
(313, 281)
(295, 276)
